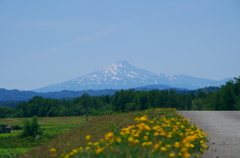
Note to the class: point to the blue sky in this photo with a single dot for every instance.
(47, 42)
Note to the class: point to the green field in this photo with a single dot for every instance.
(45, 120)
(12, 146)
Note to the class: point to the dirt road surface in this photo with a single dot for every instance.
(224, 129)
(12, 119)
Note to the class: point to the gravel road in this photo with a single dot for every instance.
(224, 129)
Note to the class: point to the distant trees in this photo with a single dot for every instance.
(84, 101)
(212, 98)
(7, 112)
(227, 98)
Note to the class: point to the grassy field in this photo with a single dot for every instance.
(45, 120)
(12, 146)
(150, 133)
(97, 126)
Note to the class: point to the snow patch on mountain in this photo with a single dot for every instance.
(115, 78)
(122, 75)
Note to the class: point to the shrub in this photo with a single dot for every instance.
(16, 127)
(31, 128)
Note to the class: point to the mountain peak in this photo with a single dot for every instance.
(122, 75)
(123, 63)
(115, 67)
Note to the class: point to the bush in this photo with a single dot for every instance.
(16, 127)
(31, 129)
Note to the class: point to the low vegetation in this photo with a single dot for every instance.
(16, 143)
(149, 133)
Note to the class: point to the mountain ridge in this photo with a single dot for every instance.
(122, 75)
(17, 95)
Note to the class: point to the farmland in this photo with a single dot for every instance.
(12, 146)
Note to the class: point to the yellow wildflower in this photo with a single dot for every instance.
(136, 135)
(145, 137)
(143, 118)
(184, 149)
(156, 146)
(109, 135)
(71, 153)
(97, 151)
(53, 150)
(96, 144)
(171, 154)
(89, 143)
(66, 156)
(75, 150)
(202, 142)
(168, 146)
(135, 141)
(118, 139)
(156, 134)
(130, 139)
(204, 145)
(186, 155)
(88, 137)
(163, 149)
(144, 143)
(176, 144)
(169, 136)
(127, 132)
(149, 143)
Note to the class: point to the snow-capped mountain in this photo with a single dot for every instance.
(122, 75)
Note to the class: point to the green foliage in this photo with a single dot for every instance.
(227, 98)
(16, 127)
(8, 103)
(11, 152)
(31, 129)
(11, 145)
(198, 104)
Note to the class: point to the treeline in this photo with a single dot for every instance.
(13, 95)
(9, 103)
(226, 98)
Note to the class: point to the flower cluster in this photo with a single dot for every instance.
(168, 135)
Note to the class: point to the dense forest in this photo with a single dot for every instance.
(226, 98)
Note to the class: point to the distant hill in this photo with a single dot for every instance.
(122, 75)
(25, 95)
(11, 97)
